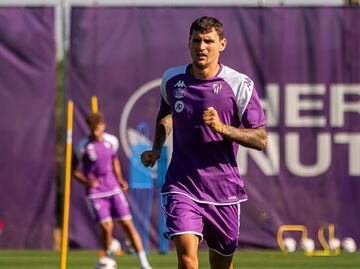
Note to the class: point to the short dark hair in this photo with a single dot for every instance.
(94, 119)
(206, 24)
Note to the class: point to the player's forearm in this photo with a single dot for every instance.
(250, 138)
(162, 131)
(117, 169)
(80, 177)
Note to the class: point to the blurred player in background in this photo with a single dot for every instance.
(105, 184)
(211, 109)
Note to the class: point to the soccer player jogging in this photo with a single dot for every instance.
(211, 109)
(105, 184)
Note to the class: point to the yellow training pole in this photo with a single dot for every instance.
(64, 243)
(94, 104)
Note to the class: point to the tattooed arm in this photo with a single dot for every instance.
(162, 131)
(251, 138)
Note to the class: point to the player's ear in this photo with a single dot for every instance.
(223, 43)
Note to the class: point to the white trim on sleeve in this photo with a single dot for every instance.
(113, 141)
(241, 85)
(170, 73)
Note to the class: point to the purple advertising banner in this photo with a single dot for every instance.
(27, 136)
(305, 63)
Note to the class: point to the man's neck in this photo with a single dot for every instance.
(205, 73)
(98, 139)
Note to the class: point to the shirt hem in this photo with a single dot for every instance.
(204, 201)
(104, 194)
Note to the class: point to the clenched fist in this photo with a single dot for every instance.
(149, 157)
(211, 119)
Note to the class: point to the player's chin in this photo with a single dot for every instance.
(201, 64)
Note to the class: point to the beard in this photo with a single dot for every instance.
(201, 65)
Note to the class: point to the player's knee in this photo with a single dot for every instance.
(107, 227)
(187, 261)
(128, 227)
(126, 224)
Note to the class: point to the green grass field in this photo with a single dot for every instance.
(244, 259)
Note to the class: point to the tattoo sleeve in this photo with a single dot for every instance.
(246, 137)
(163, 128)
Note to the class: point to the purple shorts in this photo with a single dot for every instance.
(217, 224)
(114, 207)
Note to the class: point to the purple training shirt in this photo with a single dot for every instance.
(203, 165)
(97, 159)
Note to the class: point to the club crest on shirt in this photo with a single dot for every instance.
(179, 91)
(179, 106)
(216, 88)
